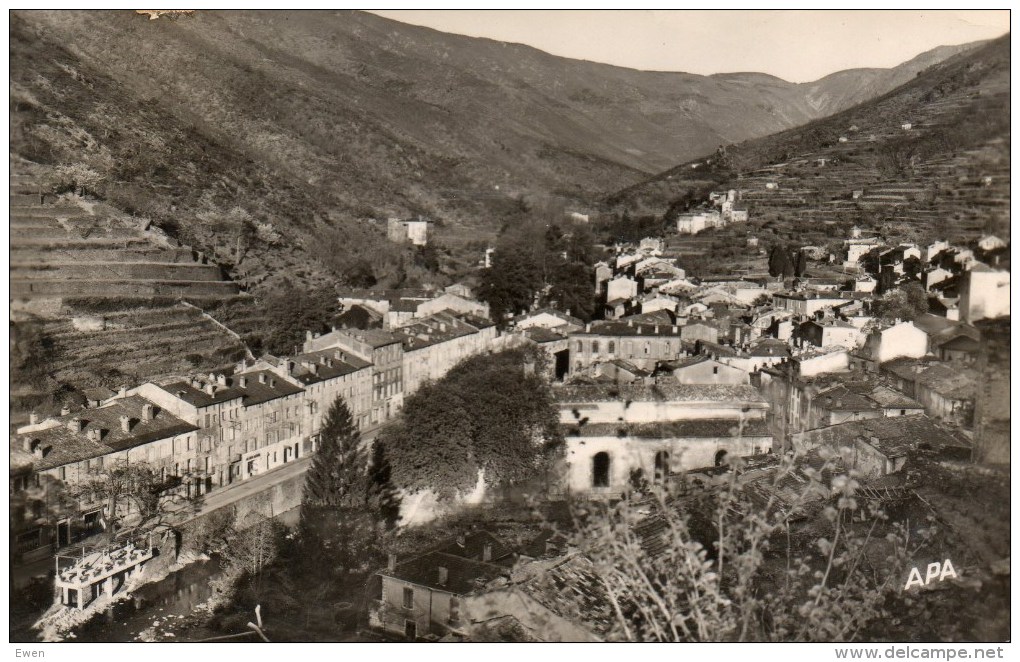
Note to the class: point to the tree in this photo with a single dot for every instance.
(135, 493)
(906, 303)
(780, 264)
(801, 264)
(510, 284)
(338, 476)
(489, 413)
(341, 506)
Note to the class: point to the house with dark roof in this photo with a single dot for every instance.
(433, 345)
(881, 446)
(421, 597)
(947, 391)
(248, 423)
(703, 369)
(76, 447)
(641, 343)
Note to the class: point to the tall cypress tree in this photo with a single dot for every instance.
(338, 476)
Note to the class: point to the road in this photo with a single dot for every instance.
(228, 495)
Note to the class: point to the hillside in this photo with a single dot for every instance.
(930, 158)
(97, 298)
(310, 123)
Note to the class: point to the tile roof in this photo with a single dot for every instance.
(629, 328)
(254, 392)
(327, 365)
(463, 575)
(569, 319)
(893, 436)
(661, 391)
(432, 331)
(67, 446)
(951, 381)
(542, 335)
(694, 428)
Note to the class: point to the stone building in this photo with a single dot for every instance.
(617, 433)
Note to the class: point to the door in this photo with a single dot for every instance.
(410, 630)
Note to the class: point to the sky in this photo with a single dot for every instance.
(796, 45)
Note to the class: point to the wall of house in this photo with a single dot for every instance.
(641, 350)
(651, 411)
(627, 454)
(431, 611)
(708, 372)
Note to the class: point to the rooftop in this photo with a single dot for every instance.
(323, 365)
(101, 432)
(895, 436)
(661, 391)
(696, 428)
(950, 381)
(463, 575)
(260, 386)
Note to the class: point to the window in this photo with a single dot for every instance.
(903, 412)
(600, 470)
(720, 459)
(408, 598)
(612, 347)
(595, 347)
(715, 370)
(661, 466)
(62, 473)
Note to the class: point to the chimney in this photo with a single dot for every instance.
(125, 424)
(76, 424)
(196, 384)
(147, 412)
(314, 367)
(65, 410)
(322, 359)
(242, 381)
(639, 330)
(262, 378)
(308, 335)
(33, 418)
(444, 575)
(221, 380)
(487, 552)
(272, 383)
(212, 376)
(122, 392)
(210, 388)
(391, 562)
(29, 444)
(37, 450)
(630, 323)
(96, 434)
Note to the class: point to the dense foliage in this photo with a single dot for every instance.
(722, 564)
(490, 413)
(541, 260)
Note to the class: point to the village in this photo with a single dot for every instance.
(681, 375)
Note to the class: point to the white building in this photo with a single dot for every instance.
(984, 294)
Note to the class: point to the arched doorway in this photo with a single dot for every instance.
(661, 466)
(600, 470)
(720, 459)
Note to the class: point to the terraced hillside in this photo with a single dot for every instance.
(99, 297)
(929, 159)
